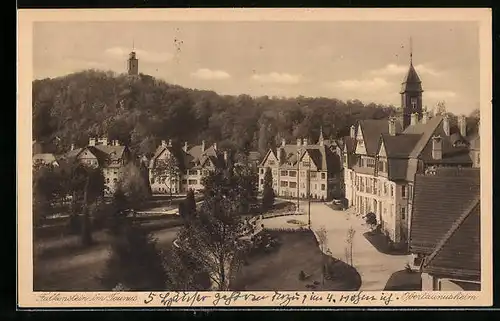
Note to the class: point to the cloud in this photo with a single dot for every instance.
(394, 70)
(207, 74)
(369, 85)
(440, 94)
(147, 56)
(279, 78)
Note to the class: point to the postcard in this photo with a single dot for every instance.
(321, 158)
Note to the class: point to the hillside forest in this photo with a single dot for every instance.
(141, 111)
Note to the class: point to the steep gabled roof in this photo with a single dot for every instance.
(458, 253)
(349, 143)
(399, 145)
(438, 202)
(372, 130)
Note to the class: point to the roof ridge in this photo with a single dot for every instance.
(454, 227)
(422, 146)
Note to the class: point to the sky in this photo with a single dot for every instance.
(338, 59)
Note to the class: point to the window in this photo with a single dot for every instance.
(345, 160)
(107, 180)
(370, 162)
(261, 171)
(292, 173)
(306, 164)
(403, 191)
(271, 163)
(381, 165)
(375, 187)
(403, 213)
(275, 172)
(205, 172)
(392, 191)
(323, 175)
(313, 174)
(261, 181)
(413, 102)
(184, 181)
(192, 182)
(115, 180)
(283, 173)
(315, 186)
(283, 183)
(292, 185)
(302, 185)
(361, 163)
(115, 172)
(385, 188)
(323, 187)
(302, 173)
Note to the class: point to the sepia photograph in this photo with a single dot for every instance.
(271, 159)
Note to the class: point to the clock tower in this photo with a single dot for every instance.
(411, 94)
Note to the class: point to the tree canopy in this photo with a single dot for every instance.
(142, 111)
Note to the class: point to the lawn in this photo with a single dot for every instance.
(77, 270)
(379, 241)
(280, 268)
(404, 281)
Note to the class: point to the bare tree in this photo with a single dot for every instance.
(349, 241)
(323, 246)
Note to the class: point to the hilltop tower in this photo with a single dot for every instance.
(133, 63)
(411, 93)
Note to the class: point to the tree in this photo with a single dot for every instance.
(246, 180)
(135, 262)
(268, 192)
(212, 237)
(86, 186)
(190, 204)
(322, 236)
(441, 108)
(47, 189)
(134, 185)
(168, 169)
(371, 219)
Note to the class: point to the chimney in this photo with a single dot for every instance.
(392, 126)
(462, 125)
(299, 142)
(169, 143)
(353, 132)
(215, 146)
(163, 143)
(437, 147)
(414, 119)
(72, 146)
(446, 125)
(306, 141)
(279, 151)
(185, 147)
(91, 141)
(103, 141)
(425, 117)
(283, 142)
(202, 146)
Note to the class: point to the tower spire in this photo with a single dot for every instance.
(411, 51)
(133, 44)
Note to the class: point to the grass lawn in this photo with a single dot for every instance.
(379, 241)
(78, 270)
(404, 281)
(279, 269)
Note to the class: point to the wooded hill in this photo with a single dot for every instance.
(142, 111)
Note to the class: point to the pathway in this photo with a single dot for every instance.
(374, 267)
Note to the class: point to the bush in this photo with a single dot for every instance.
(302, 276)
(371, 219)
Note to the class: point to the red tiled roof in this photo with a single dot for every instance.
(438, 202)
